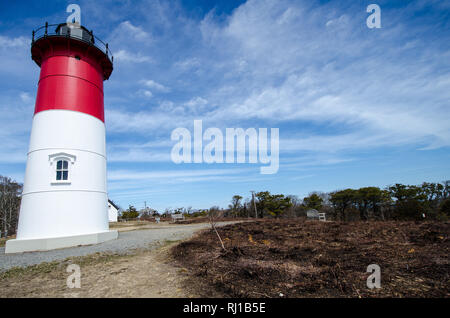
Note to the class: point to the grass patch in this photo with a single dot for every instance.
(119, 225)
(4, 239)
(48, 267)
(171, 241)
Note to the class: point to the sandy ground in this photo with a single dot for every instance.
(140, 225)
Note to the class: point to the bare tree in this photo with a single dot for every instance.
(9, 205)
(296, 205)
(254, 204)
(213, 214)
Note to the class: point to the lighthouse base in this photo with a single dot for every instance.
(45, 244)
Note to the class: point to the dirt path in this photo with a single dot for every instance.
(144, 272)
(130, 238)
(148, 273)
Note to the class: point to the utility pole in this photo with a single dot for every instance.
(254, 204)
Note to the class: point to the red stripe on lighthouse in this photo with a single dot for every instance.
(71, 82)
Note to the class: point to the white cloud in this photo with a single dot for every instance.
(168, 174)
(187, 64)
(25, 97)
(139, 155)
(147, 93)
(15, 60)
(154, 85)
(142, 122)
(126, 56)
(144, 93)
(321, 67)
(135, 32)
(15, 127)
(19, 42)
(334, 88)
(197, 105)
(289, 62)
(342, 21)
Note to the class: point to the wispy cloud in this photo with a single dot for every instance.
(335, 89)
(126, 56)
(169, 174)
(154, 85)
(127, 29)
(8, 42)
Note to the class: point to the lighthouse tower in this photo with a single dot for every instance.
(64, 201)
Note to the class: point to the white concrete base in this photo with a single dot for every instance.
(45, 244)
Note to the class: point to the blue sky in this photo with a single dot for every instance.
(354, 106)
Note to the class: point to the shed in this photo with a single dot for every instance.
(312, 214)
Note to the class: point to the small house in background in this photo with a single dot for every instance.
(177, 216)
(113, 211)
(312, 214)
(315, 215)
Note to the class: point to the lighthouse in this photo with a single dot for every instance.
(64, 201)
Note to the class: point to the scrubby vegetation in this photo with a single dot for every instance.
(298, 258)
(429, 201)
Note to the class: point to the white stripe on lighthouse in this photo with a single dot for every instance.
(73, 207)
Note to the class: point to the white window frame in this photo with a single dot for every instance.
(53, 159)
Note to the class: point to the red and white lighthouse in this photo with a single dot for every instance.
(64, 199)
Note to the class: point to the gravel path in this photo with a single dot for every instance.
(126, 242)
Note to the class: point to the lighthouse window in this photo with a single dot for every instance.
(62, 170)
(61, 163)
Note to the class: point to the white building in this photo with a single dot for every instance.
(113, 211)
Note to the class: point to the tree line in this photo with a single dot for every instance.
(395, 202)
